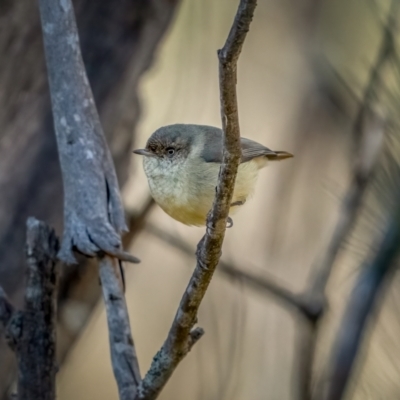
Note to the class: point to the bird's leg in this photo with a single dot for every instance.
(234, 204)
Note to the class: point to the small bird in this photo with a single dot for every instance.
(182, 164)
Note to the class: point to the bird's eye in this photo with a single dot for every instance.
(170, 151)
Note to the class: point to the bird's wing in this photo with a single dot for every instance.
(252, 149)
(212, 151)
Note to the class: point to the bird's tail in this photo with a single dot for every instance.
(279, 155)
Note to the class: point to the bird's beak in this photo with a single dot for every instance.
(144, 152)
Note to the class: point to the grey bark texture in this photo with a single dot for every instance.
(118, 40)
(123, 354)
(93, 212)
(36, 348)
(31, 332)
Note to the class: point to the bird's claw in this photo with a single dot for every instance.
(229, 222)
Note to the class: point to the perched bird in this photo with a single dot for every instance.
(182, 164)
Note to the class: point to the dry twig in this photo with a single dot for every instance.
(182, 334)
(123, 354)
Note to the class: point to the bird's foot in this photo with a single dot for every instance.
(229, 222)
(238, 203)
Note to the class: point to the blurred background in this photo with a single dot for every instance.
(302, 78)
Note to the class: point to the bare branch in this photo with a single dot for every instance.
(36, 346)
(181, 334)
(362, 302)
(123, 354)
(93, 212)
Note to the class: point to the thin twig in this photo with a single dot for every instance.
(182, 334)
(123, 354)
(93, 212)
(308, 306)
(36, 346)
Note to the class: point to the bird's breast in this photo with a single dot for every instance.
(186, 193)
(172, 188)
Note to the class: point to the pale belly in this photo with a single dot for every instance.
(177, 203)
(187, 202)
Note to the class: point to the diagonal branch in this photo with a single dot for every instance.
(266, 285)
(93, 212)
(182, 334)
(123, 354)
(362, 301)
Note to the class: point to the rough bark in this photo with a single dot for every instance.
(118, 40)
(31, 332)
(36, 349)
(123, 354)
(93, 211)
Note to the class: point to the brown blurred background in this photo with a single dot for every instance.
(291, 97)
